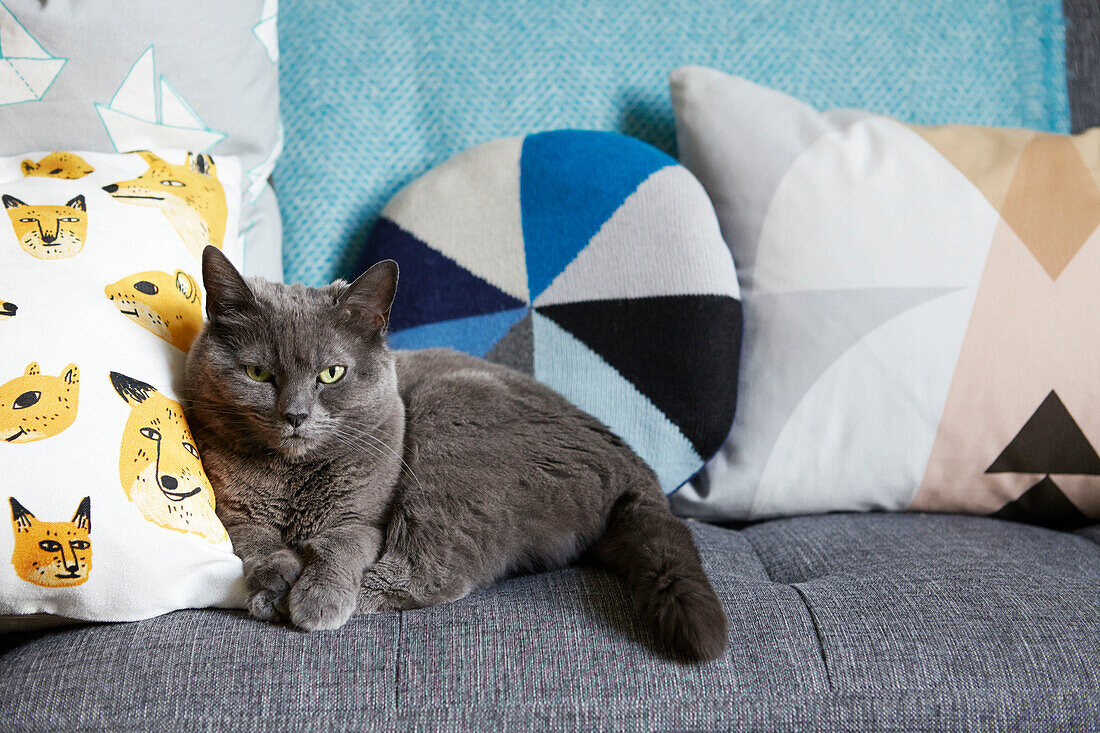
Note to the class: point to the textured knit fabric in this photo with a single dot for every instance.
(122, 75)
(906, 290)
(374, 93)
(845, 622)
(591, 261)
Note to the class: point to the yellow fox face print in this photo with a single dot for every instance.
(49, 232)
(7, 310)
(159, 465)
(168, 305)
(53, 554)
(58, 165)
(190, 195)
(36, 406)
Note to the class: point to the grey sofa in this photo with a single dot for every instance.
(841, 622)
(837, 622)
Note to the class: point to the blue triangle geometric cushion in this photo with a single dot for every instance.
(589, 260)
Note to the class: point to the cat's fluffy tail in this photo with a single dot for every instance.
(654, 552)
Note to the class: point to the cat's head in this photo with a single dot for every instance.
(287, 368)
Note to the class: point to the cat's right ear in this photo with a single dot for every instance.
(226, 291)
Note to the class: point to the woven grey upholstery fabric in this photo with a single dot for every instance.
(840, 622)
(1083, 62)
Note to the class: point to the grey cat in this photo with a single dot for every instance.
(356, 479)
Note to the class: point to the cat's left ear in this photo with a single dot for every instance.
(371, 295)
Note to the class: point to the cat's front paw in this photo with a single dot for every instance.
(319, 606)
(267, 605)
(269, 578)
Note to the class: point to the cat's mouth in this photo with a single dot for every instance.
(67, 576)
(295, 445)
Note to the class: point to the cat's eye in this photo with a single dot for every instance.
(26, 399)
(50, 545)
(332, 374)
(171, 183)
(27, 221)
(191, 449)
(257, 373)
(144, 286)
(68, 218)
(150, 433)
(80, 545)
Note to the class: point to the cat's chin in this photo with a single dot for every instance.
(295, 448)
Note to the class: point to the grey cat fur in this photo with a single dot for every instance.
(419, 477)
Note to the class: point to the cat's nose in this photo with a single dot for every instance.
(169, 483)
(296, 418)
(110, 188)
(48, 238)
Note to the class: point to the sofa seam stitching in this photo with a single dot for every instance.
(759, 557)
(817, 634)
(805, 603)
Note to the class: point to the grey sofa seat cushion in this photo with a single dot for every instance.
(839, 622)
(909, 602)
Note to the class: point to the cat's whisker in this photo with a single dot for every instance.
(405, 468)
(344, 438)
(229, 417)
(218, 407)
(358, 447)
(366, 434)
(212, 406)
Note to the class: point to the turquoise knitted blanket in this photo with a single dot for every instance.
(375, 93)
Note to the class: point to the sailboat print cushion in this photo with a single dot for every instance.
(122, 75)
(108, 514)
(921, 306)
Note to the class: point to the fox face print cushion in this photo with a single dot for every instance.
(921, 307)
(109, 515)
